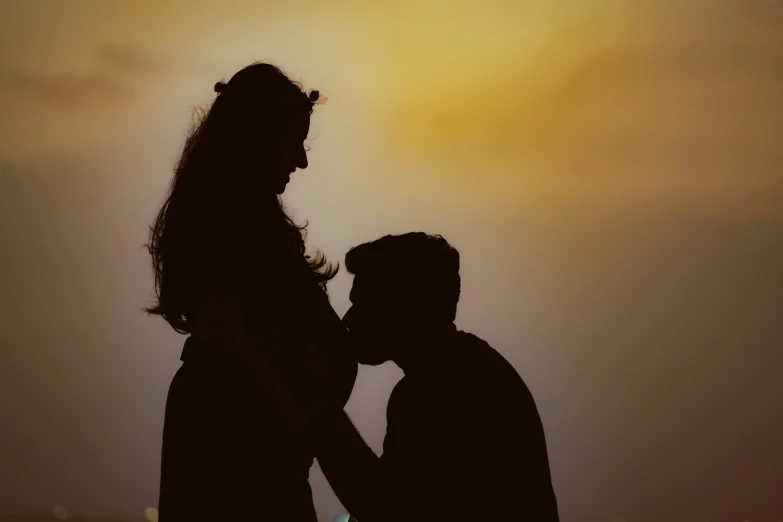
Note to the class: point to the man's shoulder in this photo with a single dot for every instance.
(471, 353)
(480, 369)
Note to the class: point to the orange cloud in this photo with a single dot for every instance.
(114, 80)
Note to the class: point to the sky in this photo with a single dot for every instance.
(609, 171)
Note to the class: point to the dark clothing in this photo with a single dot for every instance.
(223, 457)
(464, 440)
(221, 460)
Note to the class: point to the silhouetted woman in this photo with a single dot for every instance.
(231, 270)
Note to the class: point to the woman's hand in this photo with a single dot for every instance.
(237, 356)
(235, 353)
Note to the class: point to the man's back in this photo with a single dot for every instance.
(464, 438)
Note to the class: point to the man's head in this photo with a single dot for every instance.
(404, 286)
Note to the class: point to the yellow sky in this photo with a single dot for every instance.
(610, 172)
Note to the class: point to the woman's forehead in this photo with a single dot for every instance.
(300, 124)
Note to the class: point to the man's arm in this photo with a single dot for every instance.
(431, 476)
(461, 462)
(352, 468)
(344, 365)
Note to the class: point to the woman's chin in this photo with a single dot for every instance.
(280, 188)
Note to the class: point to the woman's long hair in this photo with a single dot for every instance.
(221, 226)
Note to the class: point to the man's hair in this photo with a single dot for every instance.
(412, 263)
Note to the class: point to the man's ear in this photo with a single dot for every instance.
(416, 305)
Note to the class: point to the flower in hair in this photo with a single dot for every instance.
(317, 98)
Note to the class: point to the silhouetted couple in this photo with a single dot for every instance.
(268, 365)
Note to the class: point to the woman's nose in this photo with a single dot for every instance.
(302, 159)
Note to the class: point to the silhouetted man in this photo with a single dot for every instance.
(464, 440)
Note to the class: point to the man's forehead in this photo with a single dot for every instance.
(365, 283)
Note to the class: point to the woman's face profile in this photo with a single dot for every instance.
(293, 154)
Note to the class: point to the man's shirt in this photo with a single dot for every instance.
(464, 440)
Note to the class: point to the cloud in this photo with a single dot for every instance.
(504, 107)
(67, 90)
(685, 119)
(114, 79)
(128, 59)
